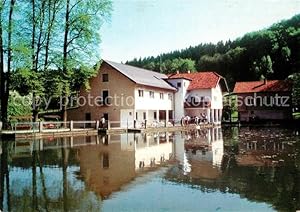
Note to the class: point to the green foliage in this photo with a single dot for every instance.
(86, 18)
(272, 52)
(26, 81)
(38, 63)
(296, 89)
(19, 105)
(263, 67)
(80, 77)
(171, 66)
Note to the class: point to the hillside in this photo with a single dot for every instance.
(273, 52)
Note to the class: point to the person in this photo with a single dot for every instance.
(196, 120)
(204, 117)
(102, 122)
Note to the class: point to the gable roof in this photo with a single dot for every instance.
(263, 86)
(141, 76)
(200, 80)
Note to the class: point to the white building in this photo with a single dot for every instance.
(131, 95)
(199, 93)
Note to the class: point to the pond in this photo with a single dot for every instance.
(233, 169)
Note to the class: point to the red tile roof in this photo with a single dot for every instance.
(199, 80)
(261, 86)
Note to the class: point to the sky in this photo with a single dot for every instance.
(140, 28)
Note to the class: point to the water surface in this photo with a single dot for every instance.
(205, 170)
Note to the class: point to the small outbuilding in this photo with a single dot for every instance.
(266, 100)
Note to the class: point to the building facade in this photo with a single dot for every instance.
(199, 94)
(124, 94)
(264, 100)
(127, 96)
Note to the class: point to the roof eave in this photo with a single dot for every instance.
(157, 87)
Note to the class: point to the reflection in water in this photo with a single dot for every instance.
(259, 164)
(200, 152)
(83, 173)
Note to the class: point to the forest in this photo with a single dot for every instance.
(48, 49)
(272, 53)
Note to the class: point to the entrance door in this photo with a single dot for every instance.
(88, 117)
(126, 118)
(105, 116)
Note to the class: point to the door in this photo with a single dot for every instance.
(88, 117)
(105, 116)
(126, 118)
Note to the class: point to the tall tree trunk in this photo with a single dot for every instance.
(40, 34)
(6, 76)
(48, 36)
(33, 61)
(33, 35)
(52, 11)
(65, 59)
(3, 113)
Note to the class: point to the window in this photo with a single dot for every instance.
(151, 94)
(178, 84)
(155, 115)
(141, 93)
(136, 115)
(105, 97)
(161, 95)
(170, 96)
(144, 115)
(104, 77)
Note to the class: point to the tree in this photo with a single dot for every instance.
(19, 105)
(273, 52)
(187, 65)
(2, 74)
(5, 76)
(81, 37)
(150, 66)
(296, 89)
(263, 67)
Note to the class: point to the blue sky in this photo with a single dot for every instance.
(140, 28)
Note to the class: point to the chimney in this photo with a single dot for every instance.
(177, 72)
(265, 81)
(188, 71)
